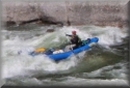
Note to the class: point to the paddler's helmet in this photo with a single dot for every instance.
(74, 32)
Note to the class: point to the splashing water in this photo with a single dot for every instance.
(15, 65)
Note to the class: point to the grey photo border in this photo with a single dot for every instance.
(1, 27)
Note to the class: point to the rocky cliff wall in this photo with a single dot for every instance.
(66, 13)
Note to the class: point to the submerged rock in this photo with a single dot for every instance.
(50, 30)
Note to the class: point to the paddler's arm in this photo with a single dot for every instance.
(68, 35)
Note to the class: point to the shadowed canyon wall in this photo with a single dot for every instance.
(66, 13)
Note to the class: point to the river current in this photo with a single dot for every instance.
(104, 64)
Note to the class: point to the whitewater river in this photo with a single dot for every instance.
(104, 64)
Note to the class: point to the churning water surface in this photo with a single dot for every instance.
(103, 64)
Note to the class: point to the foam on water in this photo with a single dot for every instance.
(28, 66)
(111, 36)
(25, 65)
(118, 70)
(93, 82)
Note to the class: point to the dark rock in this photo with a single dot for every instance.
(29, 21)
(50, 30)
(10, 23)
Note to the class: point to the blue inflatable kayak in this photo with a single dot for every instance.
(86, 44)
(65, 55)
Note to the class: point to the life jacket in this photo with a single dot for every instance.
(76, 40)
(79, 39)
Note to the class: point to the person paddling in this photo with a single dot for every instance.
(74, 39)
